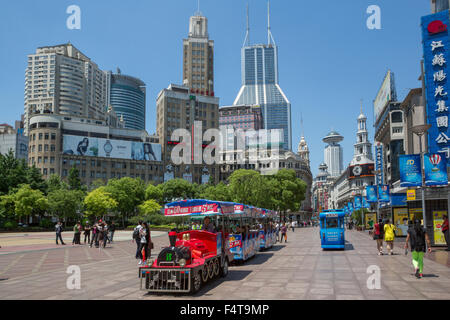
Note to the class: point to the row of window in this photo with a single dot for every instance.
(112, 164)
(45, 149)
(43, 136)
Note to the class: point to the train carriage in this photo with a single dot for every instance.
(267, 232)
(194, 257)
(332, 232)
(244, 240)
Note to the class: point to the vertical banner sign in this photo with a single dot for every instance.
(436, 47)
(410, 170)
(358, 202)
(435, 169)
(371, 192)
(350, 207)
(383, 193)
(379, 164)
(365, 203)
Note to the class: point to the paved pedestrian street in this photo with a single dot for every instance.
(298, 269)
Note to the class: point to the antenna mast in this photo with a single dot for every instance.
(269, 32)
(247, 35)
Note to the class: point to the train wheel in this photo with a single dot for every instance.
(205, 273)
(224, 270)
(211, 269)
(216, 267)
(196, 282)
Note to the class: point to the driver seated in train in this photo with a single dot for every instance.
(208, 226)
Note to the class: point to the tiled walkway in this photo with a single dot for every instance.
(296, 270)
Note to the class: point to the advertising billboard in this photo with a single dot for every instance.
(383, 193)
(110, 148)
(436, 52)
(370, 218)
(435, 169)
(410, 170)
(359, 171)
(401, 221)
(371, 194)
(386, 94)
(365, 203)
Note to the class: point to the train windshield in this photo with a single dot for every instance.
(334, 223)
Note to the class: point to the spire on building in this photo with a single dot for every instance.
(270, 39)
(363, 147)
(247, 34)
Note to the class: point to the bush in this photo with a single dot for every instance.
(46, 223)
(10, 225)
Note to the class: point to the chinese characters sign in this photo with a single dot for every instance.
(436, 46)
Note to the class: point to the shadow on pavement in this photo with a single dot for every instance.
(349, 246)
(260, 258)
(277, 247)
(430, 276)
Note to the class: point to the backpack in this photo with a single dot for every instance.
(136, 233)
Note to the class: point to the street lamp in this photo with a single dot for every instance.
(421, 130)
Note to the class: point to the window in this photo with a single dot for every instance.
(53, 136)
(52, 148)
(40, 136)
(40, 148)
(46, 136)
(52, 171)
(46, 148)
(45, 171)
(397, 117)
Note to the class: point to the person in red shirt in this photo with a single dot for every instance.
(445, 231)
(378, 230)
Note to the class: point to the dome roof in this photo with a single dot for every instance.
(362, 117)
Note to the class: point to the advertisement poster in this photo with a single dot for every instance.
(438, 220)
(168, 174)
(371, 192)
(415, 213)
(365, 203)
(410, 170)
(411, 195)
(370, 218)
(386, 94)
(109, 148)
(357, 203)
(350, 207)
(383, 193)
(435, 169)
(187, 177)
(401, 221)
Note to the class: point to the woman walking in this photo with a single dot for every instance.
(389, 236)
(283, 233)
(417, 236)
(378, 236)
(143, 248)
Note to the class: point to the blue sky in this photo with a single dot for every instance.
(328, 59)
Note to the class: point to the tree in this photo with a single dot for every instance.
(128, 193)
(74, 179)
(247, 187)
(178, 188)
(97, 183)
(65, 203)
(28, 202)
(287, 191)
(98, 202)
(35, 180)
(12, 172)
(154, 193)
(54, 183)
(219, 192)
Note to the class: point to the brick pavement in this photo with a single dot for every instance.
(296, 270)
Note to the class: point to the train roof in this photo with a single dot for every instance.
(332, 213)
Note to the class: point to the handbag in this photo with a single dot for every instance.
(151, 246)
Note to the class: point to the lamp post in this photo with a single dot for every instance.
(420, 131)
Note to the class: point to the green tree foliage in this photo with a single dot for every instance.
(128, 193)
(65, 203)
(54, 183)
(74, 179)
(287, 190)
(219, 192)
(29, 202)
(98, 202)
(14, 172)
(247, 187)
(178, 188)
(154, 193)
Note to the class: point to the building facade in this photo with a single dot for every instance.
(245, 117)
(198, 58)
(127, 97)
(260, 86)
(14, 140)
(62, 80)
(333, 153)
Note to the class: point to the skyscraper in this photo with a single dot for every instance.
(62, 80)
(260, 85)
(198, 57)
(333, 154)
(127, 97)
(439, 5)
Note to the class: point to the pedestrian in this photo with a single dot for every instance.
(76, 233)
(283, 233)
(59, 230)
(105, 234)
(445, 231)
(146, 243)
(389, 236)
(112, 229)
(101, 235)
(292, 226)
(378, 233)
(417, 236)
(87, 233)
(277, 231)
(137, 239)
(94, 235)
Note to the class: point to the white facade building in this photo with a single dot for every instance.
(333, 153)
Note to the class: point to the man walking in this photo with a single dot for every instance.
(137, 239)
(445, 231)
(59, 230)
(378, 231)
(417, 236)
(112, 229)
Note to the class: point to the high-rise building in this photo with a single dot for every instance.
(246, 117)
(13, 140)
(127, 97)
(260, 85)
(178, 108)
(198, 57)
(333, 153)
(62, 80)
(439, 5)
